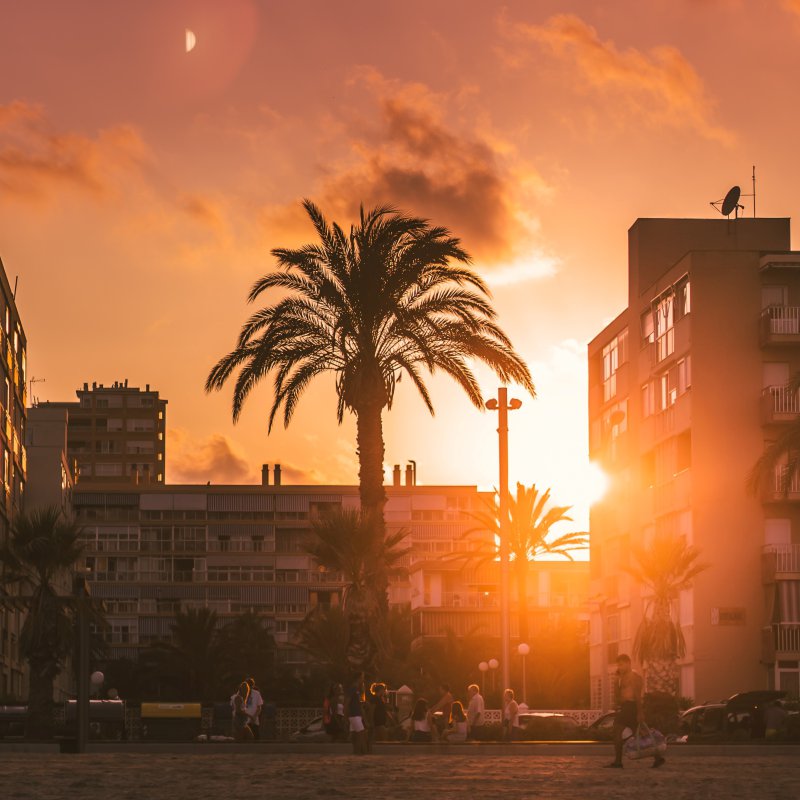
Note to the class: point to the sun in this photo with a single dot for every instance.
(590, 484)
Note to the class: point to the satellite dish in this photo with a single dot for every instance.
(731, 201)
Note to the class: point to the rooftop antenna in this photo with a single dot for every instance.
(34, 400)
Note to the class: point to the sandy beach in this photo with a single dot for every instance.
(29, 776)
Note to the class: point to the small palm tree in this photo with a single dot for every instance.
(192, 659)
(324, 636)
(786, 448)
(344, 541)
(530, 528)
(394, 297)
(665, 568)
(41, 552)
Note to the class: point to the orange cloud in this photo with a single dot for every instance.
(660, 86)
(212, 459)
(410, 155)
(35, 160)
(792, 6)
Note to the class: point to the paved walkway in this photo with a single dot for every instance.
(128, 776)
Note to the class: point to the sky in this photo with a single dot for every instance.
(142, 188)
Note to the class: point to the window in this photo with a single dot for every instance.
(774, 296)
(648, 400)
(108, 470)
(683, 298)
(673, 383)
(615, 353)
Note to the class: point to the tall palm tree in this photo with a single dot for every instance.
(39, 554)
(785, 448)
(345, 541)
(392, 298)
(665, 568)
(530, 529)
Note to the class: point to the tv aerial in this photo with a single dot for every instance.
(730, 203)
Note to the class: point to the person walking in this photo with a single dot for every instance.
(254, 705)
(355, 715)
(628, 695)
(510, 715)
(240, 729)
(475, 712)
(378, 712)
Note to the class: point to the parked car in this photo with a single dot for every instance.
(739, 717)
(602, 729)
(548, 725)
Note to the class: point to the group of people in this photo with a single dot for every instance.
(448, 721)
(363, 715)
(247, 705)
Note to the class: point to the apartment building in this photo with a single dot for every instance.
(458, 594)
(117, 433)
(155, 550)
(13, 471)
(686, 386)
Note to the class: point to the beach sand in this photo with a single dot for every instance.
(29, 776)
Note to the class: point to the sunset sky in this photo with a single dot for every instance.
(142, 188)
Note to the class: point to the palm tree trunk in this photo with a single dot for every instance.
(39, 722)
(370, 458)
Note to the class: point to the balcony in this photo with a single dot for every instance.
(780, 325)
(785, 639)
(780, 562)
(469, 600)
(784, 487)
(778, 404)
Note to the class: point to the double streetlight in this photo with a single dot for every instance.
(503, 406)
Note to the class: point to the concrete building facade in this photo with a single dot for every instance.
(13, 473)
(685, 388)
(117, 434)
(155, 550)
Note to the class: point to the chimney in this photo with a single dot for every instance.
(85, 387)
(409, 475)
(147, 387)
(277, 474)
(265, 474)
(396, 475)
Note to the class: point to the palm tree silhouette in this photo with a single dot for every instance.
(530, 529)
(783, 451)
(665, 569)
(41, 552)
(393, 298)
(344, 541)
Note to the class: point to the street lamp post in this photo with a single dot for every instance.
(502, 406)
(523, 649)
(483, 667)
(493, 665)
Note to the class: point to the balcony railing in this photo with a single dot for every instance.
(468, 600)
(784, 483)
(782, 557)
(787, 638)
(780, 402)
(780, 324)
